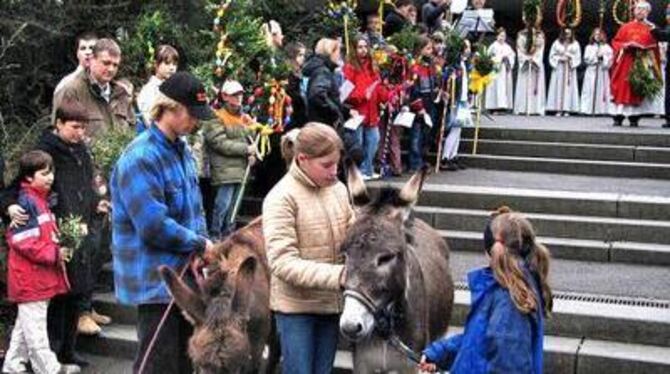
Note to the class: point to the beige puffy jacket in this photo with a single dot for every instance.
(304, 226)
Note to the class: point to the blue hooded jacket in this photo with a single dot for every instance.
(498, 338)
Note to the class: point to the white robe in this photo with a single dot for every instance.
(596, 91)
(530, 85)
(499, 94)
(659, 102)
(563, 86)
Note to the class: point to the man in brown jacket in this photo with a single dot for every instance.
(108, 103)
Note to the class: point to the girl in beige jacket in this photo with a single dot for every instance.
(305, 218)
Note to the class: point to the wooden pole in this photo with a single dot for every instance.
(479, 100)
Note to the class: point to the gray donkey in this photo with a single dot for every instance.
(399, 290)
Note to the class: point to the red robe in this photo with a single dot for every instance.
(624, 58)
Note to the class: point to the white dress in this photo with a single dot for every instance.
(563, 86)
(530, 85)
(596, 92)
(500, 93)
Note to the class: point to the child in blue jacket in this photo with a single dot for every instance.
(504, 330)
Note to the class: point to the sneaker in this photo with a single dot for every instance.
(375, 176)
(100, 319)
(69, 369)
(87, 326)
(366, 178)
(460, 165)
(666, 125)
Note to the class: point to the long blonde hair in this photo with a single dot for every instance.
(516, 243)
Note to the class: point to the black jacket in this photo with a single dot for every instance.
(73, 179)
(323, 94)
(393, 23)
(431, 15)
(298, 101)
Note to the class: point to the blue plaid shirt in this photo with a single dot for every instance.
(157, 215)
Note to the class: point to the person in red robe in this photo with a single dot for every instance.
(633, 38)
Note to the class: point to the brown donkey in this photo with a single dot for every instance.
(230, 308)
(398, 292)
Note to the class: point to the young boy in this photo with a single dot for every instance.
(36, 270)
(229, 154)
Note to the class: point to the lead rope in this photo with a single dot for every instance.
(150, 347)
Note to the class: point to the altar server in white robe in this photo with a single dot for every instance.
(500, 93)
(565, 57)
(659, 102)
(596, 96)
(530, 84)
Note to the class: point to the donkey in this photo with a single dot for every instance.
(398, 290)
(230, 308)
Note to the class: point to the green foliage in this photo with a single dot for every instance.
(72, 231)
(454, 44)
(531, 11)
(406, 40)
(108, 148)
(483, 61)
(643, 81)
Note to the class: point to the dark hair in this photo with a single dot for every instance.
(166, 53)
(592, 38)
(292, 49)
(108, 45)
(421, 42)
(86, 35)
(71, 110)
(564, 35)
(402, 3)
(500, 30)
(32, 162)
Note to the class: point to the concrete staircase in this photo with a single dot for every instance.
(609, 236)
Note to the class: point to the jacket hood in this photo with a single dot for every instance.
(316, 62)
(480, 282)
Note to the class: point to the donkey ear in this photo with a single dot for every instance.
(359, 194)
(189, 302)
(409, 194)
(244, 284)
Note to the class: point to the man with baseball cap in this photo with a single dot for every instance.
(158, 220)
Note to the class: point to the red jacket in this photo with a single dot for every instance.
(369, 91)
(34, 272)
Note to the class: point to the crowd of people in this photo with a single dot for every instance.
(173, 195)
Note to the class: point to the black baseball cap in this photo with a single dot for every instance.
(187, 90)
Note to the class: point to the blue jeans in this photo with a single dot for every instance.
(368, 138)
(223, 206)
(308, 342)
(416, 145)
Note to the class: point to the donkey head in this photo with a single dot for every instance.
(219, 310)
(376, 249)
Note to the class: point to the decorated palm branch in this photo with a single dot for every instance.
(532, 15)
(644, 78)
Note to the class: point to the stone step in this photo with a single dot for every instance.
(561, 355)
(603, 229)
(569, 166)
(575, 249)
(577, 203)
(545, 201)
(604, 135)
(581, 151)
